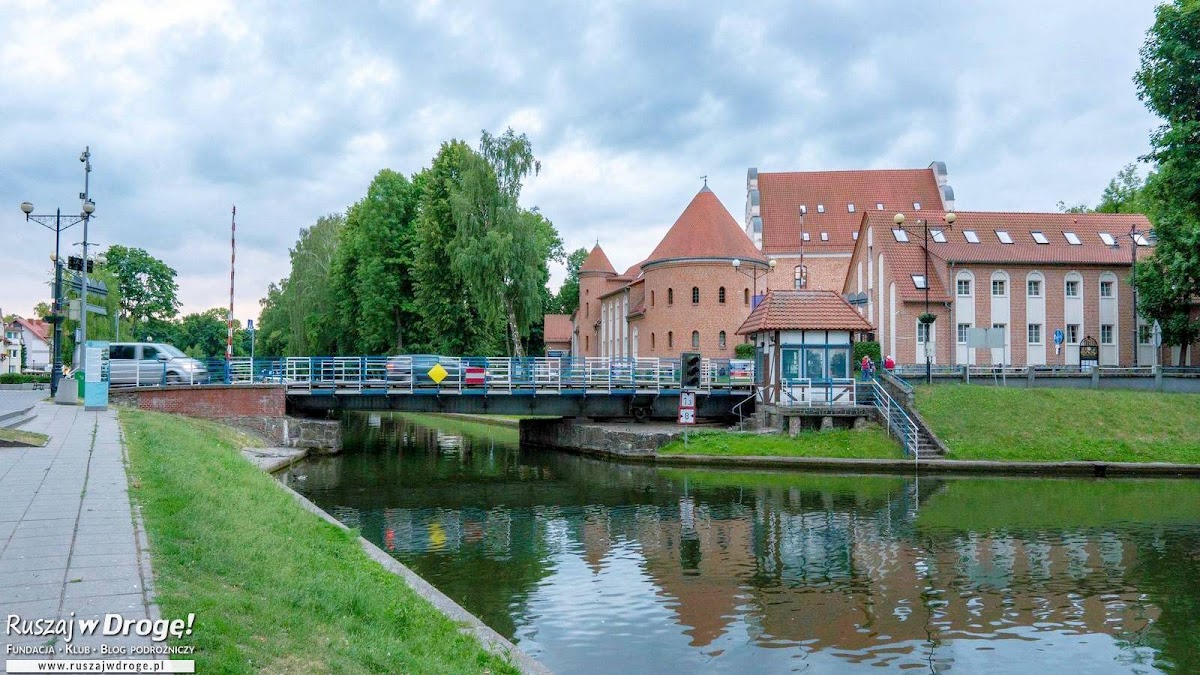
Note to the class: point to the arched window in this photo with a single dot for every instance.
(651, 298)
(721, 340)
(721, 295)
(652, 341)
(670, 339)
(800, 276)
(670, 296)
(747, 294)
(695, 295)
(695, 339)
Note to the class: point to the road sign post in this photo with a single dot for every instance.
(687, 412)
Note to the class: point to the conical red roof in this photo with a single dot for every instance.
(705, 230)
(597, 262)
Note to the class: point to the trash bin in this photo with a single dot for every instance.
(79, 379)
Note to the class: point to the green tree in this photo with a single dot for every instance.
(42, 310)
(500, 249)
(146, 284)
(449, 319)
(372, 276)
(1168, 82)
(273, 325)
(567, 299)
(1125, 194)
(1063, 207)
(205, 334)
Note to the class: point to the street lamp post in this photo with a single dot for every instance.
(899, 219)
(755, 271)
(55, 222)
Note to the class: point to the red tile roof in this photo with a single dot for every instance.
(36, 326)
(782, 194)
(906, 258)
(803, 310)
(705, 230)
(597, 262)
(556, 328)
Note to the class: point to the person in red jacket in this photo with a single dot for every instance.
(889, 363)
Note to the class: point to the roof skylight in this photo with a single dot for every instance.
(1108, 239)
(878, 206)
(1039, 237)
(824, 236)
(938, 235)
(850, 208)
(971, 236)
(1072, 238)
(820, 208)
(1003, 237)
(916, 206)
(900, 235)
(919, 280)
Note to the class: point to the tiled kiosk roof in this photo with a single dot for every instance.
(803, 310)
(705, 229)
(597, 262)
(827, 196)
(556, 328)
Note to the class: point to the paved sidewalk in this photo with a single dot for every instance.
(70, 543)
(20, 399)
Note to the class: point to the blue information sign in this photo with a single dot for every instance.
(1058, 337)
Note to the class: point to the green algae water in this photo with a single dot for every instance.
(594, 566)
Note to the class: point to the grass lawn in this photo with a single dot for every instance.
(22, 437)
(274, 588)
(868, 443)
(1049, 425)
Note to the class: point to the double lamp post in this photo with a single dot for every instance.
(926, 318)
(57, 224)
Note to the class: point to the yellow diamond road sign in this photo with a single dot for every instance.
(437, 374)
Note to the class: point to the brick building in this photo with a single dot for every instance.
(687, 295)
(1029, 274)
(809, 220)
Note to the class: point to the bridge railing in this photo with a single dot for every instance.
(416, 373)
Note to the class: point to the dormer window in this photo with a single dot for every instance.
(1072, 238)
(900, 235)
(938, 235)
(820, 208)
(1039, 238)
(916, 206)
(972, 238)
(1003, 237)
(850, 208)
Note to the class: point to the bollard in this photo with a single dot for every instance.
(1095, 377)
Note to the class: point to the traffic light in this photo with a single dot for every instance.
(76, 263)
(690, 371)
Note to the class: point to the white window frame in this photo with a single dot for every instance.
(1068, 285)
(923, 332)
(1032, 331)
(1110, 285)
(1003, 288)
(1029, 284)
(1109, 339)
(963, 330)
(1073, 331)
(959, 288)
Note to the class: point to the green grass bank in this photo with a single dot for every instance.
(274, 588)
(1056, 425)
(871, 443)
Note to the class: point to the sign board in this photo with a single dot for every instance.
(1058, 337)
(687, 407)
(95, 375)
(982, 338)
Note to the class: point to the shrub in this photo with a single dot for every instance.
(744, 350)
(19, 378)
(867, 349)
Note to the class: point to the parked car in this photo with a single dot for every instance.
(150, 363)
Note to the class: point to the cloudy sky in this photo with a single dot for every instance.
(289, 109)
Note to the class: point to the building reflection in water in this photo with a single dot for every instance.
(865, 570)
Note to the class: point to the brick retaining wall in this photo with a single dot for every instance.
(210, 402)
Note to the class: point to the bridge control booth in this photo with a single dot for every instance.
(804, 347)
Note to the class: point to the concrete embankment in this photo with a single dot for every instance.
(640, 443)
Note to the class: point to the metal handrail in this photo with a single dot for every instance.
(897, 420)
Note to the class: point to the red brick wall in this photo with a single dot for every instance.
(709, 317)
(213, 402)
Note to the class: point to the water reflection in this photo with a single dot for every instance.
(599, 567)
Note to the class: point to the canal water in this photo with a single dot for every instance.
(599, 567)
